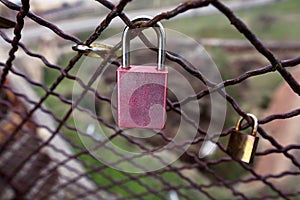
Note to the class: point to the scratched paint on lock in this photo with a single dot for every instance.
(146, 104)
(142, 92)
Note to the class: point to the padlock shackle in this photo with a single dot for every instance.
(254, 125)
(161, 35)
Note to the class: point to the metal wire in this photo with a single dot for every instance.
(188, 187)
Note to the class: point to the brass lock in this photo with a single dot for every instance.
(242, 146)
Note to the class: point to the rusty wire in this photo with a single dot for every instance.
(117, 11)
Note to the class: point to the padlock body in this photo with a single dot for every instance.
(142, 94)
(242, 146)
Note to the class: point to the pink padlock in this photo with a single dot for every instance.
(142, 90)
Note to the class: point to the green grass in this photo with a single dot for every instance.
(284, 16)
(283, 26)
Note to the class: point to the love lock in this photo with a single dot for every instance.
(242, 146)
(142, 90)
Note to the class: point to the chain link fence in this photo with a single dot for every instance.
(42, 156)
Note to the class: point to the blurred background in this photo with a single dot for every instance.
(275, 22)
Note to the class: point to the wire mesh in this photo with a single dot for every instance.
(36, 165)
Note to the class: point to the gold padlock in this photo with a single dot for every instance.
(242, 146)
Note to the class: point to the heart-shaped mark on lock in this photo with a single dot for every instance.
(146, 105)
